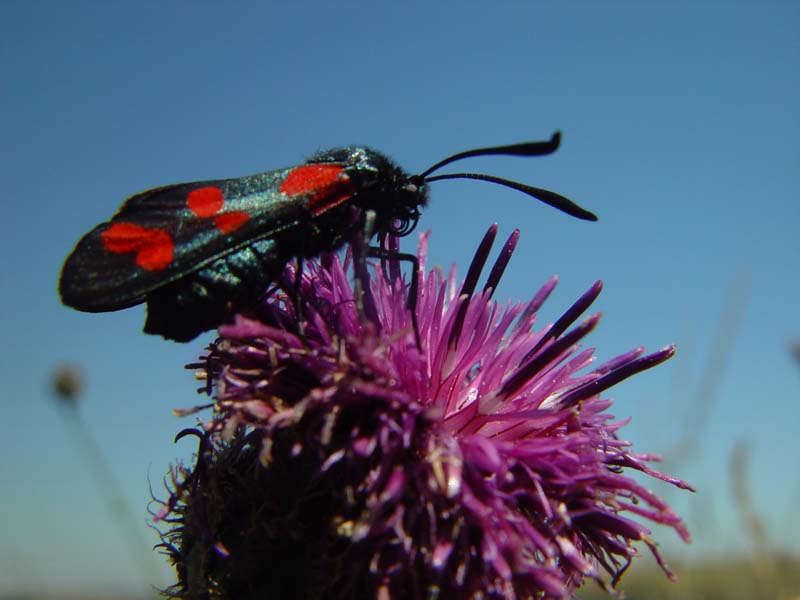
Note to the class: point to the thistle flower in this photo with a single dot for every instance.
(344, 461)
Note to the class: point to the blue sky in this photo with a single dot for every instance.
(680, 127)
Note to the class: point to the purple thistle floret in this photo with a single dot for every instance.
(483, 465)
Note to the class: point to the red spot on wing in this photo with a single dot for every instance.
(231, 221)
(310, 178)
(328, 186)
(153, 247)
(205, 202)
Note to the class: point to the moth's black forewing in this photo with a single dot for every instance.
(96, 280)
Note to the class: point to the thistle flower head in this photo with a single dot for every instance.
(343, 460)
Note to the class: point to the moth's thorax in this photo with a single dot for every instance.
(381, 186)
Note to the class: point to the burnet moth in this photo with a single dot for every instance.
(196, 253)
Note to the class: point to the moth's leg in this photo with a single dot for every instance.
(411, 301)
(298, 306)
(365, 304)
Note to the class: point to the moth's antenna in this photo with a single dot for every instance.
(555, 200)
(524, 149)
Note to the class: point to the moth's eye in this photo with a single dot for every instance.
(404, 225)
